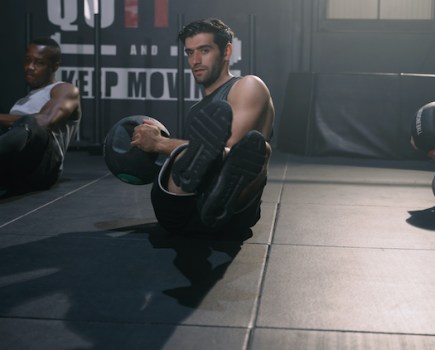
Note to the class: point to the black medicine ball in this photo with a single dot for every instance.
(423, 128)
(128, 163)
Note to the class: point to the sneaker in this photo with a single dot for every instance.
(208, 135)
(243, 164)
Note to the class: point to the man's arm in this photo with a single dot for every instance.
(64, 104)
(252, 108)
(148, 138)
(8, 119)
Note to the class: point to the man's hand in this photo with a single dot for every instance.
(147, 136)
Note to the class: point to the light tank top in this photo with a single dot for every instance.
(33, 103)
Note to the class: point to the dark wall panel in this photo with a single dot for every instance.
(292, 131)
(356, 115)
(353, 115)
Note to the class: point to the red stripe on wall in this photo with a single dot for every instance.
(131, 13)
(161, 13)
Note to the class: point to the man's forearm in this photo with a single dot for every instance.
(168, 145)
(8, 119)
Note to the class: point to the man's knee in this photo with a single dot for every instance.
(14, 139)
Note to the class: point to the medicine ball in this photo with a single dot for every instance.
(423, 128)
(129, 163)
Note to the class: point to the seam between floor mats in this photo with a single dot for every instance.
(254, 317)
(354, 331)
(354, 247)
(53, 201)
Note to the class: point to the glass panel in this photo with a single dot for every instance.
(406, 9)
(353, 9)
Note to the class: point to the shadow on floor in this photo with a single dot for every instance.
(127, 282)
(424, 219)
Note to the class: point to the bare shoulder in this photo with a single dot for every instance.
(65, 89)
(250, 86)
(251, 81)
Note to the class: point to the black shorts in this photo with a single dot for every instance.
(48, 171)
(179, 214)
(36, 167)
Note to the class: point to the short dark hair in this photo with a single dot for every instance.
(50, 43)
(221, 32)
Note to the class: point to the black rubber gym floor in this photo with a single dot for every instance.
(343, 258)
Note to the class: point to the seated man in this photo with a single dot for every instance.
(423, 130)
(214, 177)
(35, 135)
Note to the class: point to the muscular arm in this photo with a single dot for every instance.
(8, 119)
(252, 108)
(64, 104)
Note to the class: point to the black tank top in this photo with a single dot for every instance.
(220, 94)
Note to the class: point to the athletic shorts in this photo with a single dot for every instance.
(35, 167)
(179, 214)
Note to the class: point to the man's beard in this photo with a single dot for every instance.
(213, 76)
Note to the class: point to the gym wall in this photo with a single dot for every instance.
(278, 40)
(353, 115)
(139, 64)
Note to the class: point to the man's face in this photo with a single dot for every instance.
(38, 68)
(205, 58)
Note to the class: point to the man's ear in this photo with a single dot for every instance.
(55, 66)
(228, 51)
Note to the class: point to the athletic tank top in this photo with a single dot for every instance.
(220, 94)
(63, 132)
